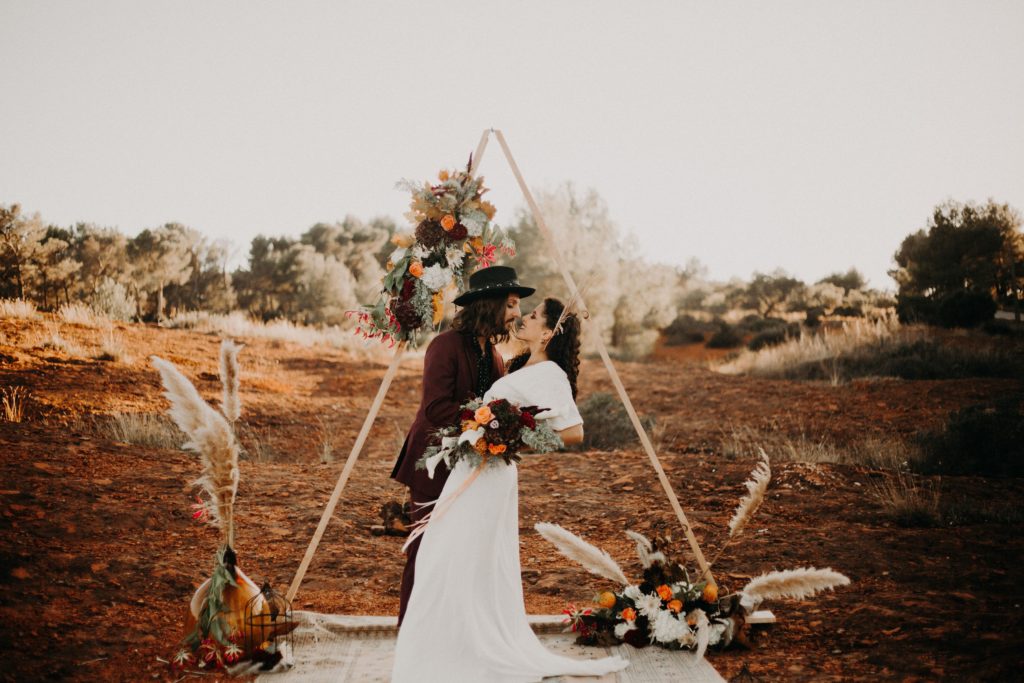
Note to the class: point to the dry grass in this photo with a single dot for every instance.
(326, 440)
(908, 499)
(18, 308)
(151, 430)
(112, 348)
(742, 444)
(14, 400)
(55, 341)
(237, 324)
(826, 349)
(80, 314)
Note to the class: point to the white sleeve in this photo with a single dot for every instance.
(566, 414)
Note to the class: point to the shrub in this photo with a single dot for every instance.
(848, 311)
(686, 329)
(606, 425)
(727, 337)
(773, 336)
(966, 308)
(962, 308)
(986, 440)
(113, 301)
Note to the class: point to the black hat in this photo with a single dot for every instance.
(493, 281)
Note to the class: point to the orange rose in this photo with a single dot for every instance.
(710, 592)
(448, 222)
(606, 599)
(416, 269)
(629, 614)
(483, 414)
(497, 448)
(480, 446)
(675, 606)
(664, 592)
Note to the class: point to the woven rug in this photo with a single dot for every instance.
(337, 648)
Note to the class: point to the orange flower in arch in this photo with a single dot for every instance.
(675, 606)
(416, 269)
(448, 222)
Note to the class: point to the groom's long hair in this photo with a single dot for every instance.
(484, 317)
(564, 347)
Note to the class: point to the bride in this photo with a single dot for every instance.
(466, 619)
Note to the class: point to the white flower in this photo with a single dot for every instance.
(668, 629)
(471, 436)
(420, 252)
(648, 605)
(397, 255)
(455, 256)
(632, 592)
(435, 277)
(623, 628)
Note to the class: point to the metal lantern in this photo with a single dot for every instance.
(268, 627)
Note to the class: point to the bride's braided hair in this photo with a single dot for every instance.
(564, 346)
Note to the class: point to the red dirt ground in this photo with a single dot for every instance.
(99, 555)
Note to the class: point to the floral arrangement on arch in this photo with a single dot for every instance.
(453, 236)
(668, 607)
(493, 432)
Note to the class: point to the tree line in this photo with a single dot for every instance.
(968, 260)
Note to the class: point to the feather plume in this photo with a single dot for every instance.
(591, 558)
(188, 409)
(703, 631)
(797, 583)
(211, 437)
(756, 488)
(643, 547)
(230, 405)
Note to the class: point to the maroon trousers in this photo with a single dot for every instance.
(416, 513)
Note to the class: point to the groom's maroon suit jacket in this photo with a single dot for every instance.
(449, 380)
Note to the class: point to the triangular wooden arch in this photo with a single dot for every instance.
(602, 350)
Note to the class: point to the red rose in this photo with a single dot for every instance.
(526, 419)
(466, 414)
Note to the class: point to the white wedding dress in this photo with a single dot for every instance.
(466, 620)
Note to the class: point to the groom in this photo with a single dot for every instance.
(459, 364)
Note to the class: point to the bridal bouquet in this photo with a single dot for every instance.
(453, 232)
(488, 432)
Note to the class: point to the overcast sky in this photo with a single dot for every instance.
(810, 136)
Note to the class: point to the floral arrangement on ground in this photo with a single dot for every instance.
(453, 235)
(668, 607)
(493, 432)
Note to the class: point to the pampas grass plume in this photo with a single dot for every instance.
(756, 488)
(231, 405)
(590, 557)
(797, 583)
(211, 437)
